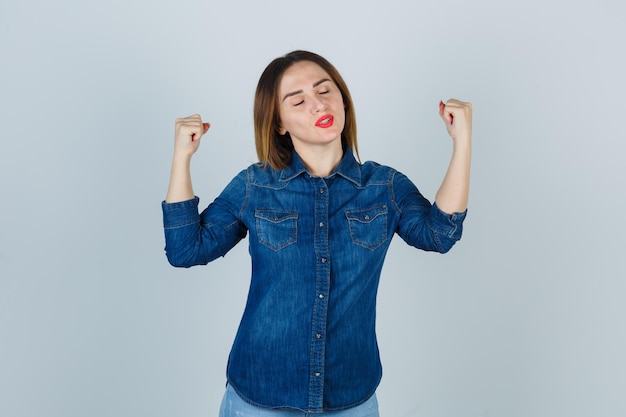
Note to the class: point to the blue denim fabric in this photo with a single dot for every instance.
(234, 406)
(307, 336)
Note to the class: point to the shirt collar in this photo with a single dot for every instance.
(348, 168)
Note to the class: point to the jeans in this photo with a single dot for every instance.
(233, 405)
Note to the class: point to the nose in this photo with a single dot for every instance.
(317, 105)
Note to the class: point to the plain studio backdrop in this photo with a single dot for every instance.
(525, 317)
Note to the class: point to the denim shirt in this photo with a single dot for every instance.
(307, 336)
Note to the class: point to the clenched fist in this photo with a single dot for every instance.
(188, 132)
(457, 115)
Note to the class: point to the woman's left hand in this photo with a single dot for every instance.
(457, 116)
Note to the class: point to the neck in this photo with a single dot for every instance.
(320, 160)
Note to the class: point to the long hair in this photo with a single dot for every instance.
(273, 148)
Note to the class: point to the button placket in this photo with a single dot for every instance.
(320, 303)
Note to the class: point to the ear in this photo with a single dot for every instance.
(281, 130)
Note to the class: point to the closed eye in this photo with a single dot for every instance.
(299, 103)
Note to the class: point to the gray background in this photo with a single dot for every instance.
(525, 317)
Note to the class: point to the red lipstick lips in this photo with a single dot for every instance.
(325, 121)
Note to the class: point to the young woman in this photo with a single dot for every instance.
(320, 224)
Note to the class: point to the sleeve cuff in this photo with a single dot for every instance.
(181, 213)
(447, 224)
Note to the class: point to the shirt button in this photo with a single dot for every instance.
(318, 336)
(321, 296)
(318, 374)
(323, 260)
(322, 191)
(321, 224)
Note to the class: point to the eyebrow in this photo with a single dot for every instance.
(315, 84)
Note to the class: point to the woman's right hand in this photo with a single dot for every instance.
(188, 132)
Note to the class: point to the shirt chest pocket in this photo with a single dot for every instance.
(276, 229)
(368, 227)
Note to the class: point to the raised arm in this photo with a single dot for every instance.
(453, 193)
(187, 136)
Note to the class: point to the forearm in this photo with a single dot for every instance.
(180, 186)
(453, 194)
(188, 132)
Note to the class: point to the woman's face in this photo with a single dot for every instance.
(311, 106)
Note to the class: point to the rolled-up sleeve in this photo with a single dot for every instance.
(192, 238)
(422, 224)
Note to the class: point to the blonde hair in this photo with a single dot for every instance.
(273, 148)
